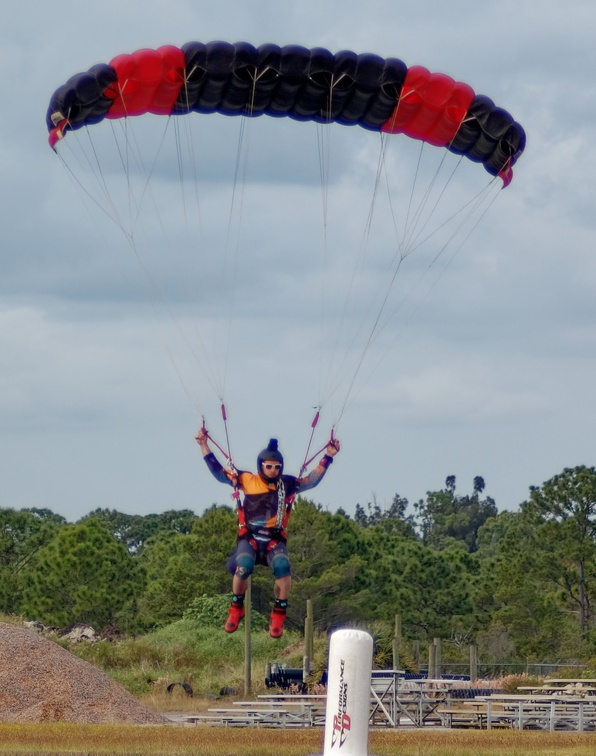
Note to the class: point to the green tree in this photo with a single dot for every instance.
(393, 519)
(546, 571)
(82, 575)
(327, 556)
(181, 566)
(431, 589)
(22, 534)
(485, 580)
(524, 600)
(566, 505)
(447, 518)
(135, 530)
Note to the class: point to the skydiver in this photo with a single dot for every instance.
(263, 516)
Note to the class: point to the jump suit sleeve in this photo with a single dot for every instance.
(216, 469)
(315, 476)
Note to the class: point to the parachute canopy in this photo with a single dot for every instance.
(312, 85)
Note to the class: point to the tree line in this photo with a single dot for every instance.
(520, 585)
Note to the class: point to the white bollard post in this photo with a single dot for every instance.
(348, 693)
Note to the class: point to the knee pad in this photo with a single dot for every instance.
(280, 565)
(244, 566)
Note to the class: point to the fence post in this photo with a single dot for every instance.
(396, 641)
(438, 659)
(307, 663)
(473, 662)
(432, 655)
(416, 655)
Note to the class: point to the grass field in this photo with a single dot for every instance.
(208, 659)
(215, 741)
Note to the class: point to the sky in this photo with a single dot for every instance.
(486, 367)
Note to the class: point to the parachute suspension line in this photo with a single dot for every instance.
(190, 397)
(233, 231)
(423, 218)
(130, 154)
(477, 202)
(405, 248)
(125, 158)
(330, 369)
(158, 295)
(401, 252)
(338, 369)
(415, 242)
(224, 417)
(181, 164)
(324, 142)
(191, 149)
(114, 215)
(323, 131)
(468, 210)
(194, 340)
(410, 211)
(474, 210)
(327, 382)
(417, 215)
(186, 155)
(231, 250)
(151, 170)
(109, 210)
(369, 341)
(132, 150)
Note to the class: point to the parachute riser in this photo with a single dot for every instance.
(227, 455)
(308, 460)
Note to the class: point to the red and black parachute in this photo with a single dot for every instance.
(315, 85)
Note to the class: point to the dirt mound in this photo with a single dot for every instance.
(42, 682)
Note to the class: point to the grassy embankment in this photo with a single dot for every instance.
(204, 657)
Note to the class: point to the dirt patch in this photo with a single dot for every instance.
(42, 682)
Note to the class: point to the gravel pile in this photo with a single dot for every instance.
(42, 682)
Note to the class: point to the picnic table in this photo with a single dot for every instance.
(465, 713)
(539, 711)
(267, 713)
(573, 686)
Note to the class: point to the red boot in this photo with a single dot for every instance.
(235, 614)
(276, 628)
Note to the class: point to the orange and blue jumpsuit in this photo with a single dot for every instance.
(263, 515)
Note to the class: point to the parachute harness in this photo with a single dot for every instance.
(282, 507)
(281, 504)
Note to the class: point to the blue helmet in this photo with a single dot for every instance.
(270, 453)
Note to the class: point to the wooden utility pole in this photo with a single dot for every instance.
(247, 645)
(308, 642)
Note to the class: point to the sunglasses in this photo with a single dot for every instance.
(272, 467)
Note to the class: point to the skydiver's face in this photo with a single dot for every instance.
(271, 468)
